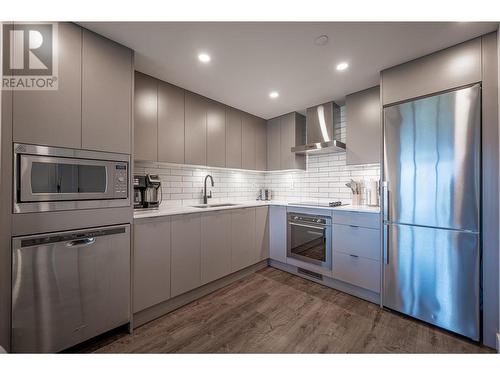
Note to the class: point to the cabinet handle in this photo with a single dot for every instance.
(354, 256)
(354, 226)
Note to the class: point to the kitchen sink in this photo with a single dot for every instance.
(215, 205)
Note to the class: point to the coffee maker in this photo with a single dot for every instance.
(147, 191)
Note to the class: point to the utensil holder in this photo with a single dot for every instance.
(356, 199)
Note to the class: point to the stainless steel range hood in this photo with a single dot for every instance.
(322, 130)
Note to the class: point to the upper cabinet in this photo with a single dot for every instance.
(107, 74)
(283, 133)
(145, 117)
(216, 134)
(363, 126)
(446, 69)
(292, 128)
(170, 123)
(273, 144)
(248, 141)
(233, 138)
(92, 106)
(195, 130)
(54, 117)
(260, 145)
(173, 125)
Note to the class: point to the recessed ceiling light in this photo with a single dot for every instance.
(321, 40)
(274, 94)
(204, 57)
(342, 66)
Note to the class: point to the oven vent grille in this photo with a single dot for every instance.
(310, 273)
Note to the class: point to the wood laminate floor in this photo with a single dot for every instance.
(272, 311)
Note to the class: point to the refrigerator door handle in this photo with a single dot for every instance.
(386, 244)
(385, 197)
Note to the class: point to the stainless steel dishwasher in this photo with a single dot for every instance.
(68, 287)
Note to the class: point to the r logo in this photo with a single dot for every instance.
(28, 49)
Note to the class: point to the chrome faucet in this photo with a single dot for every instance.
(205, 196)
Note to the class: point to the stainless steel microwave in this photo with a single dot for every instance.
(55, 179)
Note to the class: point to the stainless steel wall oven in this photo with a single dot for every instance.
(54, 179)
(310, 239)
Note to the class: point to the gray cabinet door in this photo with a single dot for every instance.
(195, 129)
(248, 134)
(273, 144)
(145, 117)
(186, 253)
(449, 68)
(151, 264)
(262, 232)
(242, 238)
(216, 246)
(54, 118)
(261, 145)
(364, 128)
(233, 138)
(216, 134)
(170, 123)
(107, 74)
(291, 126)
(277, 233)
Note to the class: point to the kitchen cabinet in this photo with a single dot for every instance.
(262, 232)
(54, 118)
(277, 233)
(233, 138)
(145, 117)
(170, 123)
(292, 133)
(151, 259)
(364, 129)
(248, 141)
(273, 144)
(261, 145)
(443, 70)
(356, 249)
(358, 271)
(195, 129)
(107, 74)
(283, 133)
(243, 252)
(186, 253)
(216, 134)
(216, 245)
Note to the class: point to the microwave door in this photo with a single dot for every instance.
(47, 178)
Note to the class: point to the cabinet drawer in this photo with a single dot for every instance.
(364, 242)
(361, 219)
(358, 271)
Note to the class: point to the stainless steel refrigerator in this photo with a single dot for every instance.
(431, 210)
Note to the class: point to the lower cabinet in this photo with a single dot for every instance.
(356, 249)
(277, 233)
(176, 254)
(243, 247)
(151, 263)
(262, 232)
(216, 246)
(186, 253)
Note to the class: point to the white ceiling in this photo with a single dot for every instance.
(251, 59)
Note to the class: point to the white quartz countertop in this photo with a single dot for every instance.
(166, 210)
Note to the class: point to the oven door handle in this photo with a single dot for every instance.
(309, 226)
